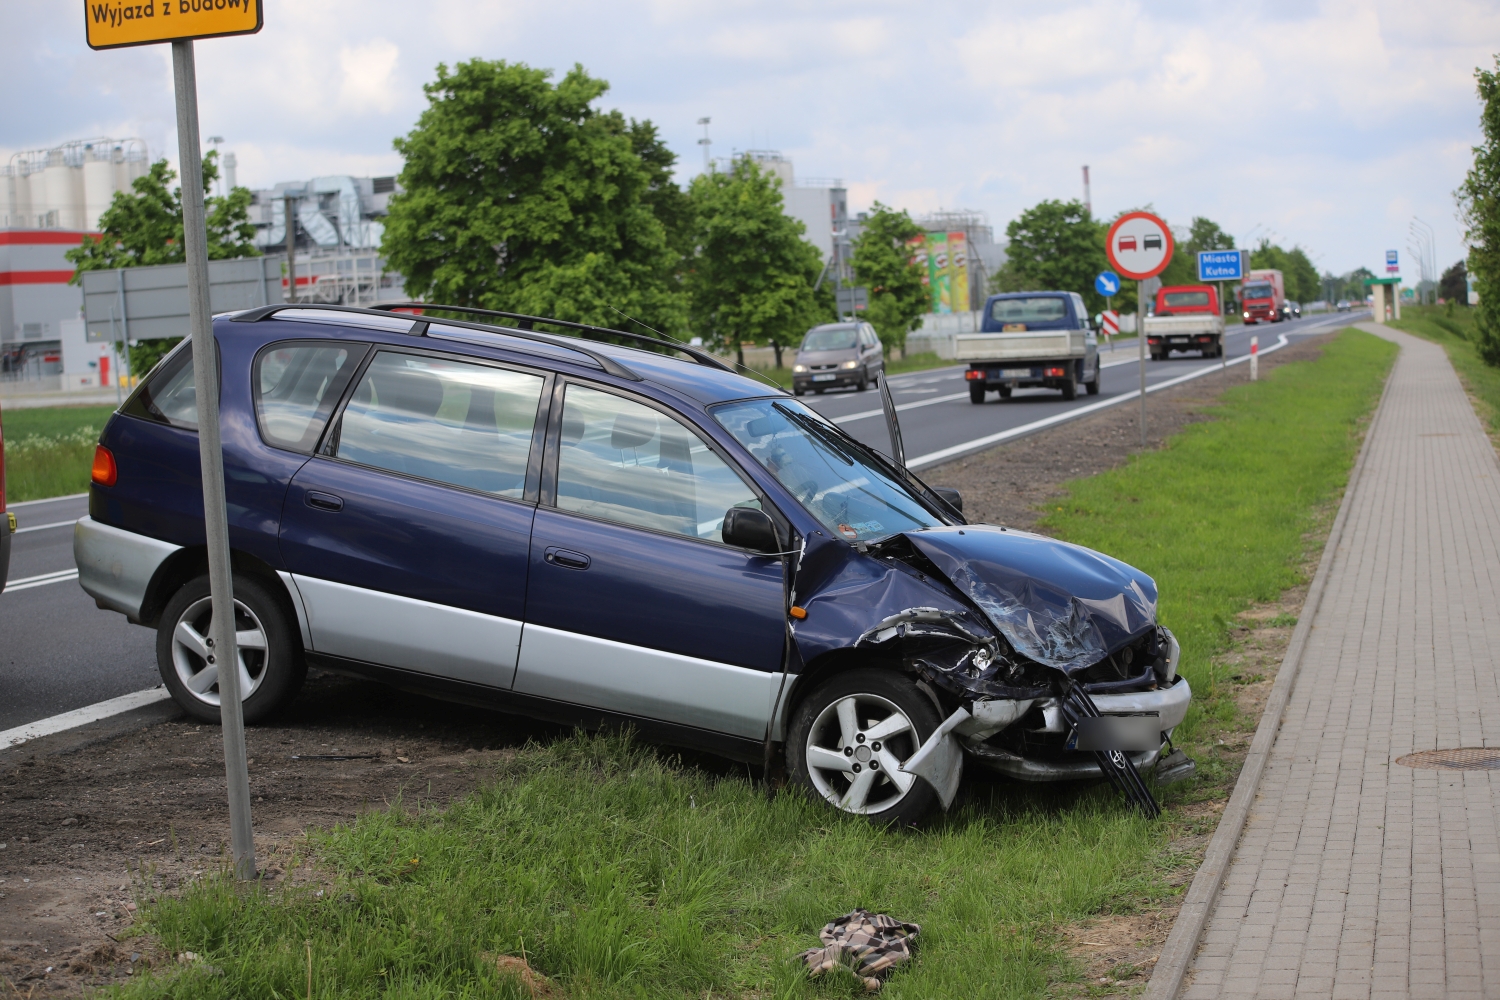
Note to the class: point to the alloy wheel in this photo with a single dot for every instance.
(855, 750)
(190, 651)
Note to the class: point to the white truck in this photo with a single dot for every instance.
(1029, 339)
(1185, 318)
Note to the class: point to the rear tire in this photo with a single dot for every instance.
(269, 650)
(1070, 388)
(976, 392)
(1093, 386)
(880, 718)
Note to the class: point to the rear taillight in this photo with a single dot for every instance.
(974, 376)
(105, 472)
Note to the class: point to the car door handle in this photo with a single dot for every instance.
(566, 557)
(324, 501)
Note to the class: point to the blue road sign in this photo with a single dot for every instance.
(1107, 284)
(1392, 263)
(1221, 265)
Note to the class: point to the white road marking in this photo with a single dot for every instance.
(953, 451)
(27, 582)
(33, 503)
(82, 716)
(864, 414)
(44, 527)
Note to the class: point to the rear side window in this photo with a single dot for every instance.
(169, 395)
(461, 424)
(1050, 309)
(296, 387)
(625, 462)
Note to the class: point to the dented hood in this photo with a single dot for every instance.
(1061, 605)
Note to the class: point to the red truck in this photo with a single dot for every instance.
(1185, 318)
(1263, 297)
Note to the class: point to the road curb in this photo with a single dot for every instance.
(1198, 905)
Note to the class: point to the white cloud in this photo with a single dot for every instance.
(1316, 119)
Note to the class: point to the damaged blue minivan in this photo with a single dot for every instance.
(565, 526)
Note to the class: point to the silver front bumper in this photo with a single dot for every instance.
(1171, 704)
(115, 567)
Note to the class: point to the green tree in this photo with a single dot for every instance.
(883, 261)
(1203, 234)
(144, 226)
(1453, 286)
(519, 195)
(751, 275)
(1298, 274)
(1055, 246)
(1479, 207)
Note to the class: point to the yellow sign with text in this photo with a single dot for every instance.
(112, 24)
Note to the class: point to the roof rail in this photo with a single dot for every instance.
(419, 329)
(701, 357)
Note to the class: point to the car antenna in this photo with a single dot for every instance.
(760, 375)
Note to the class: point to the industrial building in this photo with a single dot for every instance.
(70, 186)
(337, 229)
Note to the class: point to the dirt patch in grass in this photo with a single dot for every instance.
(96, 826)
(93, 828)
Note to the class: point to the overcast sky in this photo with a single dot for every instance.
(1327, 124)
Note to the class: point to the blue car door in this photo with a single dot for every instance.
(407, 536)
(634, 603)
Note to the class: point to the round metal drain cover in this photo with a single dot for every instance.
(1462, 759)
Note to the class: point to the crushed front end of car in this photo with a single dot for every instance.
(1046, 658)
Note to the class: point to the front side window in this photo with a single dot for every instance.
(296, 387)
(834, 477)
(451, 422)
(622, 461)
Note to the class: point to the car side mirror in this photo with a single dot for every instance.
(748, 528)
(951, 497)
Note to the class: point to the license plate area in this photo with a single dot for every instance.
(1015, 373)
(824, 378)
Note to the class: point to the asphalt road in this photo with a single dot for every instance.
(58, 652)
(936, 414)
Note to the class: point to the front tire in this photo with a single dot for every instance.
(268, 646)
(849, 737)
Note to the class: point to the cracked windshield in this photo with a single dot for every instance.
(828, 474)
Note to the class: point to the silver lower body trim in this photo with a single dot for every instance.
(395, 631)
(115, 566)
(650, 683)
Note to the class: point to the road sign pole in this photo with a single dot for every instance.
(211, 461)
(1140, 338)
(1223, 359)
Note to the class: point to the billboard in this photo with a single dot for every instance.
(944, 261)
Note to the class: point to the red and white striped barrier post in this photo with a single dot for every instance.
(1111, 327)
(1254, 358)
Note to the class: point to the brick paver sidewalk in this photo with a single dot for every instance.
(1356, 876)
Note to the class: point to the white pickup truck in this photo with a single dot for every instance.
(1031, 339)
(1186, 318)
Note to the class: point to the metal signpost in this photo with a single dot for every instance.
(109, 26)
(1140, 246)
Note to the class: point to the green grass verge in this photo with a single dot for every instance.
(624, 872)
(1220, 517)
(1454, 329)
(49, 450)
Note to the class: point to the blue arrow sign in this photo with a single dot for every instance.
(1107, 284)
(1221, 265)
